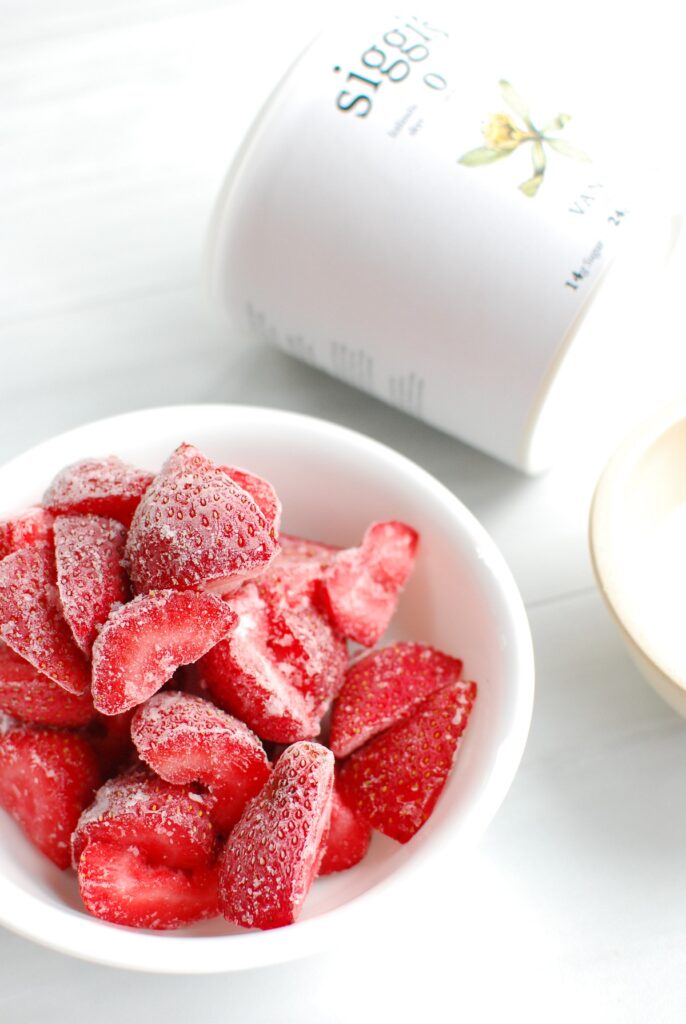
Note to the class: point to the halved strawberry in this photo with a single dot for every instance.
(300, 549)
(120, 886)
(143, 643)
(383, 687)
(47, 777)
(362, 586)
(170, 825)
(298, 571)
(27, 694)
(188, 739)
(395, 780)
(272, 855)
(261, 490)
(90, 575)
(29, 527)
(197, 529)
(348, 838)
(277, 671)
(101, 487)
(31, 620)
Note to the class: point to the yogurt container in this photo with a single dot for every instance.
(431, 227)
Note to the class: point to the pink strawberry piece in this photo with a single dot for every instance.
(395, 780)
(348, 838)
(362, 587)
(143, 643)
(27, 694)
(197, 529)
(29, 527)
(31, 620)
(383, 687)
(298, 571)
(170, 825)
(90, 575)
(47, 777)
(277, 671)
(120, 886)
(273, 854)
(299, 549)
(188, 739)
(101, 487)
(262, 491)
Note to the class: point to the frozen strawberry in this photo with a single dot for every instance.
(395, 779)
(31, 620)
(262, 491)
(298, 571)
(143, 643)
(273, 854)
(277, 671)
(120, 886)
(29, 527)
(110, 738)
(170, 825)
(383, 687)
(27, 694)
(299, 549)
(47, 777)
(90, 575)
(348, 838)
(362, 586)
(197, 529)
(101, 487)
(188, 739)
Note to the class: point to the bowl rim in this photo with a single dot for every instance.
(76, 934)
(612, 480)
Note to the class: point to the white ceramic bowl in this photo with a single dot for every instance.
(638, 548)
(462, 598)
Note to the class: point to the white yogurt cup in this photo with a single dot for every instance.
(401, 218)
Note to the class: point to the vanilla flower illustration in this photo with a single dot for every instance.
(503, 135)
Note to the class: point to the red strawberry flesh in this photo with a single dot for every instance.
(188, 739)
(27, 694)
(31, 620)
(143, 643)
(90, 576)
(47, 777)
(395, 779)
(362, 586)
(29, 527)
(273, 854)
(348, 838)
(168, 824)
(102, 487)
(120, 886)
(383, 687)
(197, 529)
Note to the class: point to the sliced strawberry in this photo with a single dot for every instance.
(299, 549)
(348, 838)
(120, 886)
(110, 737)
(143, 643)
(31, 620)
(383, 687)
(362, 587)
(298, 571)
(197, 529)
(272, 855)
(262, 491)
(29, 527)
(47, 777)
(188, 739)
(101, 487)
(395, 780)
(89, 551)
(30, 696)
(170, 825)
(277, 671)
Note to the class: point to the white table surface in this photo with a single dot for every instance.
(117, 121)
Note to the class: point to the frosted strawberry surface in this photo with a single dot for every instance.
(160, 642)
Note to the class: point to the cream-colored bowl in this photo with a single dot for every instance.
(638, 548)
(462, 598)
